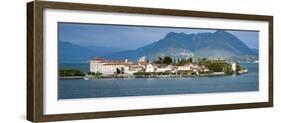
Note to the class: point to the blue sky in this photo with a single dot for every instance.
(132, 37)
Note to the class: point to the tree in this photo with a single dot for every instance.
(189, 60)
(70, 72)
(167, 60)
(159, 60)
(178, 60)
(182, 62)
(214, 66)
(238, 67)
(174, 61)
(227, 69)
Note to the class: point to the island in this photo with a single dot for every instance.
(162, 67)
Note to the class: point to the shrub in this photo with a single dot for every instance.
(139, 73)
(92, 73)
(70, 72)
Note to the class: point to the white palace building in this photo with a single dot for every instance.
(104, 66)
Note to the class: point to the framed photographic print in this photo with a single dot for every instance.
(89, 61)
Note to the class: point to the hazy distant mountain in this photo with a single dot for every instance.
(69, 52)
(255, 51)
(101, 51)
(181, 45)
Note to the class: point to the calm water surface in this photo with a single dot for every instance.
(73, 89)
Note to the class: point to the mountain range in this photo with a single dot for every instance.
(181, 45)
(70, 52)
(176, 45)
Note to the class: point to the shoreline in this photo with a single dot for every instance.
(88, 77)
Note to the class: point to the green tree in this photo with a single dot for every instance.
(217, 66)
(98, 74)
(238, 67)
(227, 69)
(70, 72)
(159, 60)
(214, 66)
(167, 60)
(174, 61)
(189, 60)
(182, 62)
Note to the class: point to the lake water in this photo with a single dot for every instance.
(75, 89)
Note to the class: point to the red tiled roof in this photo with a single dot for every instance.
(99, 59)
